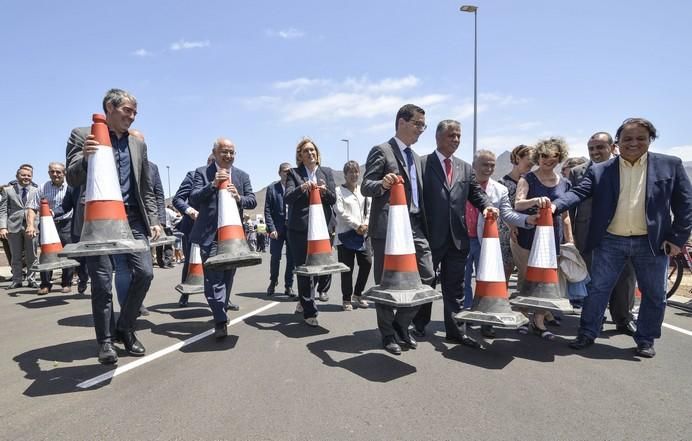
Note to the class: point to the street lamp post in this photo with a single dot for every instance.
(474, 9)
(348, 148)
(168, 170)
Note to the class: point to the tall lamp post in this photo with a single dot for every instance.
(348, 148)
(474, 9)
(168, 170)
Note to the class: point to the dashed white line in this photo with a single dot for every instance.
(146, 359)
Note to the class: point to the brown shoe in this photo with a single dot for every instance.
(43, 291)
(66, 290)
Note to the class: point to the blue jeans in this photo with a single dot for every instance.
(471, 267)
(608, 262)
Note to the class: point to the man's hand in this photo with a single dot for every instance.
(389, 180)
(156, 232)
(221, 176)
(532, 219)
(31, 231)
(362, 229)
(3, 233)
(670, 248)
(91, 146)
(193, 213)
(273, 235)
(234, 192)
(492, 211)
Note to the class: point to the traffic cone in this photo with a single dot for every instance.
(194, 281)
(491, 298)
(232, 250)
(320, 259)
(400, 285)
(50, 244)
(540, 289)
(106, 229)
(637, 302)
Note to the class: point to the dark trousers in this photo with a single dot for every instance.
(276, 249)
(298, 244)
(386, 315)
(6, 249)
(187, 245)
(63, 228)
(451, 262)
(347, 257)
(101, 273)
(622, 297)
(217, 285)
(82, 271)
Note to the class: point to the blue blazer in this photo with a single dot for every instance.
(275, 209)
(668, 189)
(204, 197)
(181, 203)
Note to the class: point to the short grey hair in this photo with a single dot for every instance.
(56, 163)
(443, 125)
(218, 142)
(480, 153)
(117, 97)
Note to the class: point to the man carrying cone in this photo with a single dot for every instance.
(130, 156)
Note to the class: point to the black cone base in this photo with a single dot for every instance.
(509, 320)
(184, 288)
(226, 261)
(104, 247)
(320, 270)
(543, 304)
(161, 241)
(54, 265)
(402, 298)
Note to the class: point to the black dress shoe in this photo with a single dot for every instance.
(487, 331)
(405, 337)
(81, 287)
(107, 354)
(182, 302)
(391, 346)
(220, 330)
(420, 333)
(232, 307)
(271, 289)
(628, 328)
(581, 342)
(464, 340)
(132, 345)
(14, 285)
(646, 350)
(289, 292)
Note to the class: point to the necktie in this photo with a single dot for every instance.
(24, 192)
(412, 176)
(448, 170)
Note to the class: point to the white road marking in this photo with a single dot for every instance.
(146, 359)
(680, 330)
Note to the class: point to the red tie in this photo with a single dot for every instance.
(448, 170)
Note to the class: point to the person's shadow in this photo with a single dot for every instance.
(290, 325)
(372, 366)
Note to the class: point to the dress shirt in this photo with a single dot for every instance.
(312, 175)
(352, 210)
(54, 195)
(629, 218)
(442, 159)
(411, 166)
(121, 152)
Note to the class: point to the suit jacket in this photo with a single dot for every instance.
(13, 210)
(205, 196)
(181, 203)
(382, 159)
(580, 215)
(77, 176)
(445, 204)
(668, 190)
(275, 209)
(160, 196)
(299, 201)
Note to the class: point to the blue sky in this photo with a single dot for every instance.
(267, 73)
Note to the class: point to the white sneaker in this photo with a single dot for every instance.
(347, 306)
(299, 309)
(312, 321)
(323, 297)
(360, 302)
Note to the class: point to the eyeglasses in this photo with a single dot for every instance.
(419, 124)
(547, 156)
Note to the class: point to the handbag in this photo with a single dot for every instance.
(352, 240)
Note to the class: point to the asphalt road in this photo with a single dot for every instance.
(276, 378)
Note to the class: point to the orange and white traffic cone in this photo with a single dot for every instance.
(50, 244)
(541, 287)
(637, 301)
(319, 260)
(491, 298)
(106, 229)
(232, 250)
(400, 285)
(194, 281)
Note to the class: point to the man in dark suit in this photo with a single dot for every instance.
(275, 217)
(13, 225)
(189, 213)
(204, 196)
(385, 163)
(449, 182)
(164, 253)
(130, 156)
(633, 196)
(601, 148)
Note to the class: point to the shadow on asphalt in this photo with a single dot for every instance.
(372, 366)
(290, 325)
(48, 301)
(191, 311)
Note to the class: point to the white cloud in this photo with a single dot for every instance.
(299, 84)
(142, 53)
(286, 34)
(684, 152)
(183, 44)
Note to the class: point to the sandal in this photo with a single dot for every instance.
(523, 330)
(543, 333)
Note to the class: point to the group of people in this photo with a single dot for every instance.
(625, 212)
